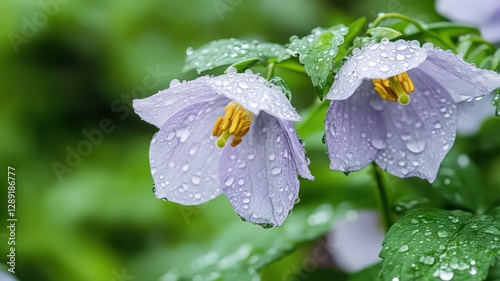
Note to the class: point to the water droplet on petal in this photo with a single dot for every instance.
(384, 68)
(174, 82)
(415, 146)
(378, 143)
(276, 170)
(195, 180)
(229, 181)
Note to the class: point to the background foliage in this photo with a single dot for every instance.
(98, 220)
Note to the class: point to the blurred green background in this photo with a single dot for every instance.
(69, 66)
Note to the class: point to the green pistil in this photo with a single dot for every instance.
(403, 97)
(222, 140)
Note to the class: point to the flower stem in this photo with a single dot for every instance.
(383, 196)
(417, 24)
(270, 70)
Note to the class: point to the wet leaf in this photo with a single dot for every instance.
(317, 52)
(434, 244)
(384, 32)
(232, 51)
(241, 250)
(459, 181)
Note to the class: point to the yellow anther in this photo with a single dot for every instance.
(395, 88)
(236, 141)
(216, 131)
(236, 123)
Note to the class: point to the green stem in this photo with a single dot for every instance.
(270, 70)
(420, 26)
(383, 196)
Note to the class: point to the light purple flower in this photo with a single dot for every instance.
(484, 14)
(409, 140)
(258, 175)
(356, 241)
(473, 114)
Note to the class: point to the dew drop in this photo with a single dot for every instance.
(229, 181)
(403, 248)
(192, 151)
(445, 275)
(241, 181)
(195, 180)
(271, 157)
(250, 156)
(427, 260)
(442, 233)
(243, 85)
(384, 68)
(174, 82)
(378, 143)
(185, 167)
(197, 195)
(376, 103)
(276, 170)
(415, 146)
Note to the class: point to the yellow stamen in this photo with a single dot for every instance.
(236, 122)
(216, 131)
(395, 88)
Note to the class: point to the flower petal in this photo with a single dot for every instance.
(158, 108)
(255, 94)
(184, 158)
(376, 61)
(258, 176)
(473, 113)
(355, 243)
(355, 130)
(421, 133)
(297, 149)
(461, 79)
(477, 12)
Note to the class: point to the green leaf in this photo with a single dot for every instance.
(317, 52)
(243, 65)
(496, 102)
(354, 29)
(313, 120)
(369, 273)
(384, 32)
(278, 81)
(232, 51)
(241, 250)
(459, 181)
(435, 244)
(495, 60)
